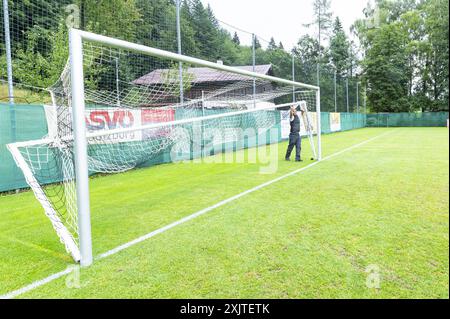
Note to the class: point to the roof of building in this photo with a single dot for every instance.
(204, 75)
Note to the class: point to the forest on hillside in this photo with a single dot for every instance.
(400, 60)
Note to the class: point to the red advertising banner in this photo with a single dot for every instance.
(110, 119)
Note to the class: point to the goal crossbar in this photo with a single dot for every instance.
(138, 48)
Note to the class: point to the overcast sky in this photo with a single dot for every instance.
(282, 19)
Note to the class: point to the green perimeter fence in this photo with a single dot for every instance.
(28, 122)
(407, 119)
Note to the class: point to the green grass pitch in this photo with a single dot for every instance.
(382, 206)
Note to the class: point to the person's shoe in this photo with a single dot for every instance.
(287, 159)
(299, 160)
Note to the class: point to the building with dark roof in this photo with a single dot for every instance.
(203, 80)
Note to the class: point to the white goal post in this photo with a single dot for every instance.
(69, 148)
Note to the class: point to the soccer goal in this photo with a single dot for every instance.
(120, 105)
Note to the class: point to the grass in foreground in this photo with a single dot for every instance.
(312, 235)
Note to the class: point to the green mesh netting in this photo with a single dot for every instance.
(17, 123)
(325, 122)
(407, 119)
(28, 122)
(352, 121)
(349, 121)
(31, 125)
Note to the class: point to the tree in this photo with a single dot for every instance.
(257, 43)
(322, 17)
(115, 18)
(205, 28)
(420, 33)
(188, 40)
(272, 44)
(236, 39)
(36, 33)
(25, 15)
(436, 73)
(386, 70)
(323, 21)
(339, 48)
(156, 26)
(35, 68)
(307, 53)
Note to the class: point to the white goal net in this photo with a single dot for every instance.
(119, 106)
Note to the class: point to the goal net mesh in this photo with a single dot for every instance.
(139, 107)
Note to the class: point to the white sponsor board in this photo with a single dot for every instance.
(106, 120)
(312, 116)
(99, 120)
(110, 119)
(52, 123)
(335, 122)
(285, 124)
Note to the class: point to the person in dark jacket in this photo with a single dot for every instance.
(295, 139)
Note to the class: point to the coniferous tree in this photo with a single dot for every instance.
(257, 44)
(115, 18)
(323, 21)
(272, 44)
(236, 39)
(339, 48)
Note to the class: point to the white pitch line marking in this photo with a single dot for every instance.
(36, 284)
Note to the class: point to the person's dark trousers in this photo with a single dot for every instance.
(294, 141)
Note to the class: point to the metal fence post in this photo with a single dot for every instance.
(335, 91)
(346, 88)
(254, 67)
(12, 110)
(293, 77)
(357, 96)
(117, 81)
(180, 68)
(8, 52)
(319, 126)
(365, 99)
